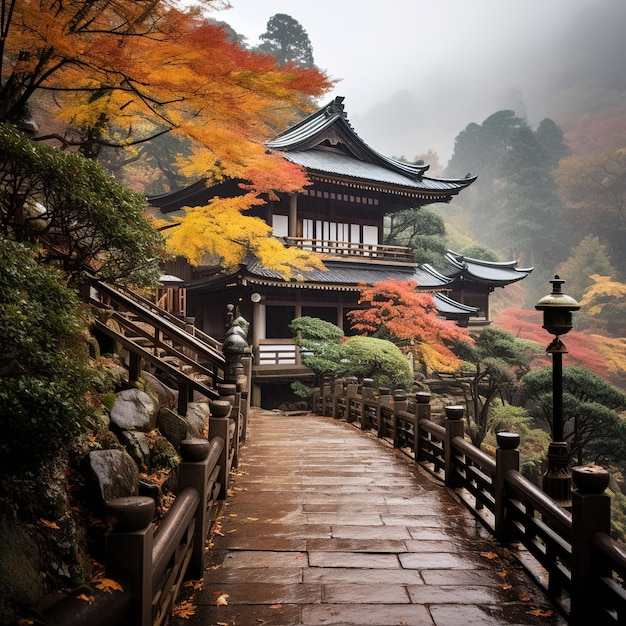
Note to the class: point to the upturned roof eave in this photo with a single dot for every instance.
(315, 128)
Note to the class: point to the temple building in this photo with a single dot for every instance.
(341, 215)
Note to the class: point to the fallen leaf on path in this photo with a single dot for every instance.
(489, 555)
(184, 610)
(276, 606)
(107, 584)
(85, 598)
(542, 613)
(524, 597)
(194, 584)
(222, 600)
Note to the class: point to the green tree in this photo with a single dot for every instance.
(592, 426)
(589, 257)
(513, 207)
(550, 137)
(529, 208)
(44, 373)
(328, 353)
(421, 229)
(77, 213)
(287, 41)
(477, 251)
(494, 364)
(533, 441)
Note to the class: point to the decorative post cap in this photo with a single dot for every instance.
(507, 441)
(455, 411)
(590, 479)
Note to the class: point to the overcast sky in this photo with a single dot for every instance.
(415, 73)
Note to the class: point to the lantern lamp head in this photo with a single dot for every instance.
(557, 309)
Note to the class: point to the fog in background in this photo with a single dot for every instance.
(415, 73)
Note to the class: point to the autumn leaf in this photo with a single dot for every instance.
(507, 586)
(184, 609)
(85, 598)
(276, 606)
(107, 584)
(489, 555)
(48, 524)
(222, 600)
(524, 597)
(196, 585)
(541, 612)
(502, 574)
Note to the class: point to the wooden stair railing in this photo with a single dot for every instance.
(177, 321)
(156, 337)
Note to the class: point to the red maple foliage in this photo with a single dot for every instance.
(527, 324)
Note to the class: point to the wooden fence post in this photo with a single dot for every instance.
(507, 458)
(400, 403)
(367, 394)
(195, 472)
(454, 428)
(218, 427)
(591, 514)
(128, 551)
(422, 412)
(352, 392)
(338, 392)
(384, 399)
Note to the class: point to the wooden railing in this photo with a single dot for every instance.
(145, 564)
(148, 565)
(354, 249)
(584, 568)
(277, 352)
(153, 336)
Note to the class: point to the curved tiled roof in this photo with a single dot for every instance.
(341, 164)
(493, 273)
(447, 306)
(325, 142)
(350, 276)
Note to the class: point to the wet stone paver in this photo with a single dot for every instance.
(325, 525)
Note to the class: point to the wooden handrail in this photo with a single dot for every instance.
(585, 567)
(158, 321)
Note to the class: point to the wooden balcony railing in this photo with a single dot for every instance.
(355, 250)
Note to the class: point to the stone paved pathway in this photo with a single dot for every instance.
(327, 525)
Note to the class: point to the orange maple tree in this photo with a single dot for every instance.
(122, 73)
(397, 311)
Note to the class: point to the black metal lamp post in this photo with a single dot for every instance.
(557, 310)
